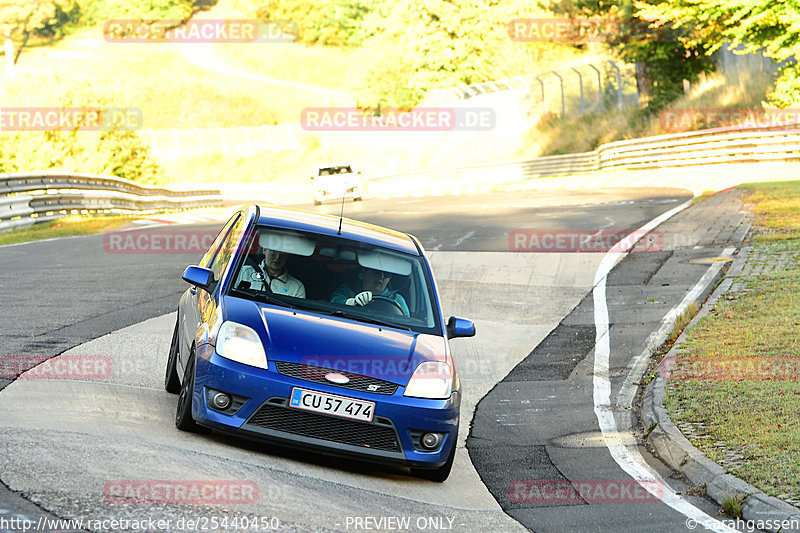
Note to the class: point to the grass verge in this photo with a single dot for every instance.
(67, 226)
(737, 378)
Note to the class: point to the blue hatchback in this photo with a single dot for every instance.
(309, 330)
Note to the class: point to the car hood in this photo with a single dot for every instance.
(345, 345)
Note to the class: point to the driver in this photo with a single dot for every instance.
(373, 282)
(273, 268)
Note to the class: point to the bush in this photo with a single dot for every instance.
(326, 22)
(99, 11)
(119, 152)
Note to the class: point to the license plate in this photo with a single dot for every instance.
(331, 404)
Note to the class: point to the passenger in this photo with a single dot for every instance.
(373, 282)
(273, 268)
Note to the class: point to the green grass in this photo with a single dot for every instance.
(755, 414)
(777, 205)
(683, 320)
(732, 505)
(67, 226)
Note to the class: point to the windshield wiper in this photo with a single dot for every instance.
(262, 296)
(370, 320)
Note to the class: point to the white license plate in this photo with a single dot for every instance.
(331, 404)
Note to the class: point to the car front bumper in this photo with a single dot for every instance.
(392, 437)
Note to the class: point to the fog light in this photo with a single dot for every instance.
(221, 401)
(431, 440)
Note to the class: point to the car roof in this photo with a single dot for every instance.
(329, 225)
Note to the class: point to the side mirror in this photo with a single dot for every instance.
(199, 276)
(460, 327)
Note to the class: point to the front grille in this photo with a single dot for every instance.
(317, 375)
(377, 436)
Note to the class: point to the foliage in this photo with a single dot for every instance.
(52, 19)
(326, 22)
(117, 153)
(99, 11)
(424, 44)
(114, 151)
(771, 27)
(22, 19)
(664, 56)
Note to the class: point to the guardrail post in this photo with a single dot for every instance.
(619, 84)
(580, 83)
(561, 82)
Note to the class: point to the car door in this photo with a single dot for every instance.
(198, 303)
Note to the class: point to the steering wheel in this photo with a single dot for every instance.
(386, 306)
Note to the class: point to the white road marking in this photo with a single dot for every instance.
(629, 458)
(463, 238)
(639, 364)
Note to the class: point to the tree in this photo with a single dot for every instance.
(326, 22)
(424, 44)
(664, 57)
(769, 27)
(22, 19)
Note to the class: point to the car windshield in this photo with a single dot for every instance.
(336, 276)
(328, 171)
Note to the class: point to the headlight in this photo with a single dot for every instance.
(432, 379)
(239, 343)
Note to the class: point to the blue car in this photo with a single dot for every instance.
(318, 332)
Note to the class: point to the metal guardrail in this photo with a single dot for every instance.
(539, 167)
(26, 198)
(776, 142)
(780, 142)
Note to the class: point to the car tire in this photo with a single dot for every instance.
(172, 382)
(183, 414)
(437, 474)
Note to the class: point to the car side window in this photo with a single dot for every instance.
(226, 249)
(208, 257)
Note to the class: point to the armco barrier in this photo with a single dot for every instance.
(31, 197)
(736, 144)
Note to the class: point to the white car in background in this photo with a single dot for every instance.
(337, 181)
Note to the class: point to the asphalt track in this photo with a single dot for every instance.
(535, 338)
